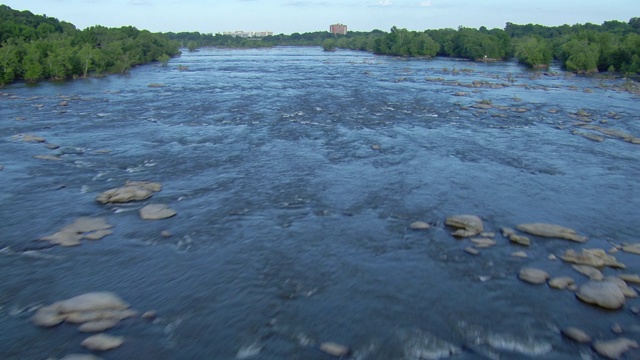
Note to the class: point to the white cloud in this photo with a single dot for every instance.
(425, 4)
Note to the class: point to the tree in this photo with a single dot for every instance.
(192, 46)
(329, 45)
(533, 51)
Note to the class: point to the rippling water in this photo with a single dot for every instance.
(291, 230)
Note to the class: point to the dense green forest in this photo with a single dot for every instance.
(585, 48)
(35, 47)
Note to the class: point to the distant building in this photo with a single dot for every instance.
(338, 29)
(248, 34)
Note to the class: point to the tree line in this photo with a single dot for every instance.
(37, 47)
(613, 46)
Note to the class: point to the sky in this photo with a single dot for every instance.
(290, 16)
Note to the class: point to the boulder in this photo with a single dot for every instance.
(98, 325)
(468, 225)
(613, 349)
(591, 272)
(551, 231)
(631, 248)
(156, 212)
(601, 293)
(131, 191)
(102, 342)
(576, 335)
(47, 316)
(630, 278)
(482, 243)
(626, 290)
(419, 225)
(591, 257)
(520, 240)
(533, 276)
(562, 282)
(93, 301)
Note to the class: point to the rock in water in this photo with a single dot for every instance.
(551, 231)
(613, 349)
(102, 342)
(156, 212)
(626, 290)
(91, 302)
(334, 349)
(98, 326)
(590, 271)
(47, 316)
(576, 335)
(419, 225)
(561, 282)
(81, 357)
(533, 276)
(601, 293)
(468, 225)
(131, 191)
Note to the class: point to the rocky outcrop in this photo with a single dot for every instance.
(88, 228)
(131, 191)
(613, 349)
(551, 231)
(591, 257)
(468, 225)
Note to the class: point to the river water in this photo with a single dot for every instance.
(291, 229)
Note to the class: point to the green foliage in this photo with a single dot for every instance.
(192, 46)
(35, 47)
(329, 45)
(533, 51)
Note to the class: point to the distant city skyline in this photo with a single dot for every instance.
(290, 16)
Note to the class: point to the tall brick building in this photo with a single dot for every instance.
(338, 29)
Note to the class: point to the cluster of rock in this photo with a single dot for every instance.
(29, 138)
(608, 292)
(137, 191)
(610, 349)
(94, 312)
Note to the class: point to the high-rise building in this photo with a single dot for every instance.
(338, 29)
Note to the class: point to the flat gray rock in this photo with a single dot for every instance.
(613, 349)
(551, 231)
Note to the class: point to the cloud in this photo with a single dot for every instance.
(425, 4)
(382, 3)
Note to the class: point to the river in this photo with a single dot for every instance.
(295, 174)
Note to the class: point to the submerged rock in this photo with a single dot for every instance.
(482, 243)
(591, 272)
(102, 342)
(28, 138)
(334, 349)
(419, 225)
(613, 349)
(562, 282)
(90, 228)
(423, 345)
(601, 293)
(576, 335)
(551, 231)
(468, 225)
(131, 191)
(533, 276)
(156, 212)
(81, 357)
